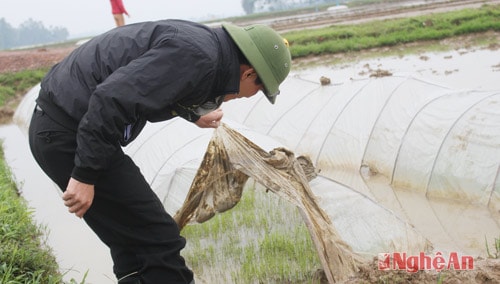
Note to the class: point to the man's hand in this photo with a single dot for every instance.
(210, 120)
(78, 197)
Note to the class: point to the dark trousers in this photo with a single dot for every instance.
(144, 240)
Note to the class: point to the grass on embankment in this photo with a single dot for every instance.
(386, 33)
(24, 257)
(13, 86)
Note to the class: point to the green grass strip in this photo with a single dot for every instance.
(18, 83)
(24, 258)
(383, 33)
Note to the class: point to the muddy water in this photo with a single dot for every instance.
(76, 247)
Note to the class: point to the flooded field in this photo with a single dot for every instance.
(462, 68)
(78, 251)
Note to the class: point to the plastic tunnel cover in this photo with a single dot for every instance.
(228, 162)
(421, 159)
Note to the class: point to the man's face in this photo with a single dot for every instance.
(249, 84)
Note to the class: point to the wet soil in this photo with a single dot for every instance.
(32, 59)
(485, 271)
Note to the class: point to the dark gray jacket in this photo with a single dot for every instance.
(110, 86)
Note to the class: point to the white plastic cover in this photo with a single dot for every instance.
(424, 151)
(403, 161)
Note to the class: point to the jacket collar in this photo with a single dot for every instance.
(229, 66)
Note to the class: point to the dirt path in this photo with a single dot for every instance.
(30, 59)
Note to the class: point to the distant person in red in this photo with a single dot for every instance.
(118, 9)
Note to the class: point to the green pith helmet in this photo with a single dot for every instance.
(266, 51)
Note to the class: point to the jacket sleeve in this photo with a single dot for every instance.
(147, 85)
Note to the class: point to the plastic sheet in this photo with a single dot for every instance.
(421, 159)
(231, 159)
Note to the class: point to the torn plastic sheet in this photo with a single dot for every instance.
(230, 159)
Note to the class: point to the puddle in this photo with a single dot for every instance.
(76, 247)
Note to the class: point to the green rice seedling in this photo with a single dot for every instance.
(440, 278)
(263, 239)
(496, 247)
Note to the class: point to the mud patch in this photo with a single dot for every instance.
(485, 271)
(32, 59)
(380, 73)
